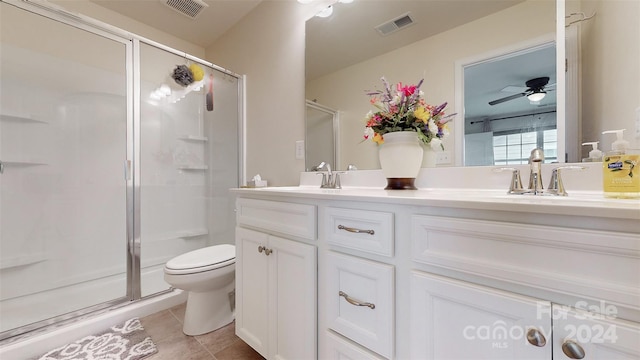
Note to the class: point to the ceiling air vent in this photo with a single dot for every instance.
(190, 8)
(394, 25)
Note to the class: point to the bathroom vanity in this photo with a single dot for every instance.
(437, 273)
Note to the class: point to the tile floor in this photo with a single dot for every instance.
(165, 329)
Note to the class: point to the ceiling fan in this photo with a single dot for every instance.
(535, 91)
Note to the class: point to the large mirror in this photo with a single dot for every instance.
(442, 35)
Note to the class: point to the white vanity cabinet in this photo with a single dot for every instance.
(467, 320)
(417, 275)
(457, 320)
(276, 278)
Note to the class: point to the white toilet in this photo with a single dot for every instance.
(208, 274)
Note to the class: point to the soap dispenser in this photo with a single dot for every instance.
(620, 145)
(621, 177)
(595, 155)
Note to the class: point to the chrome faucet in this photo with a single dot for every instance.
(330, 179)
(535, 176)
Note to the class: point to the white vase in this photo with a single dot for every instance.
(429, 156)
(400, 159)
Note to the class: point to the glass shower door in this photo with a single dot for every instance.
(189, 158)
(63, 146)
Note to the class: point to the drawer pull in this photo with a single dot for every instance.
(355, 302)
(357, 231)
(572, 349)
(535, 337)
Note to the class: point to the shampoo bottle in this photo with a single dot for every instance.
(621, 178)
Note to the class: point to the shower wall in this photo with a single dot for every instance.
(71, 208)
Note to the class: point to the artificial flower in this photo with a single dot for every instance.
(405, 110)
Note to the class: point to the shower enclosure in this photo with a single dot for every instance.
(108, 167)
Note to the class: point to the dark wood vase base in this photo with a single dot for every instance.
(401, 184)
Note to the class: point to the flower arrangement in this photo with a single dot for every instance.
(406, 110)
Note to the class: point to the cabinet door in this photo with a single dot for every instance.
(292, 299)
(251, 289)
(579, 334)
(455, 320)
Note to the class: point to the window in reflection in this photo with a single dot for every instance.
(515, 148)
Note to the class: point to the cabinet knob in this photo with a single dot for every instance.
(355, 302)
(572, 349)
(354, 230)
(535, 337)
(265, 249)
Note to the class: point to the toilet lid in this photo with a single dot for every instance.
(208, 258)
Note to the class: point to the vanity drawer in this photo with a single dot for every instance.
(298, 220)
(598, 264)
(362, 230)
(360, 301)
(337, 347)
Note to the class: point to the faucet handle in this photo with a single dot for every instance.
(336, 179)
(324, 182)
(515, 187)
(555, 184)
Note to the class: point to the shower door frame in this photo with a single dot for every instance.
(132, 162)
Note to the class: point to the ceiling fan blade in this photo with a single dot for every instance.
(512, 97)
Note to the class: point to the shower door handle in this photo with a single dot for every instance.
(127, 170)
(1, 167)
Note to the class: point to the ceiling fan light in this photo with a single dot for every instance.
(537, 96)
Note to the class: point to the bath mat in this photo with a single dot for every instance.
(127, 341)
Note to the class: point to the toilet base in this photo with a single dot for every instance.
(201, 317)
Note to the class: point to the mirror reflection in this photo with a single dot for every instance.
(321, 129)
(510, 107)
(606, 52)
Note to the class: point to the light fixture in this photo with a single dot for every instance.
(326, 12)
(304, 2)
(536, 95)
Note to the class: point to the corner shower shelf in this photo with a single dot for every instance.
(22, 163)
(192, 233)
(19, 118)
(22, 260)
(194, 138)
(193, 167)
(182, 234)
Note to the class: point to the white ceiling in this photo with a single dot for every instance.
(348, 37)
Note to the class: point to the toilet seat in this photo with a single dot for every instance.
(201, 260)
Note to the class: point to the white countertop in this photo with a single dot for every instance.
(478, 188)
(578, 203)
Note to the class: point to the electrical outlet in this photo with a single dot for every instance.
(300, 150)
(443, 157)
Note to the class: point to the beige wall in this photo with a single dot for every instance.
(268, 47)
(610, 45)
(432, 59)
